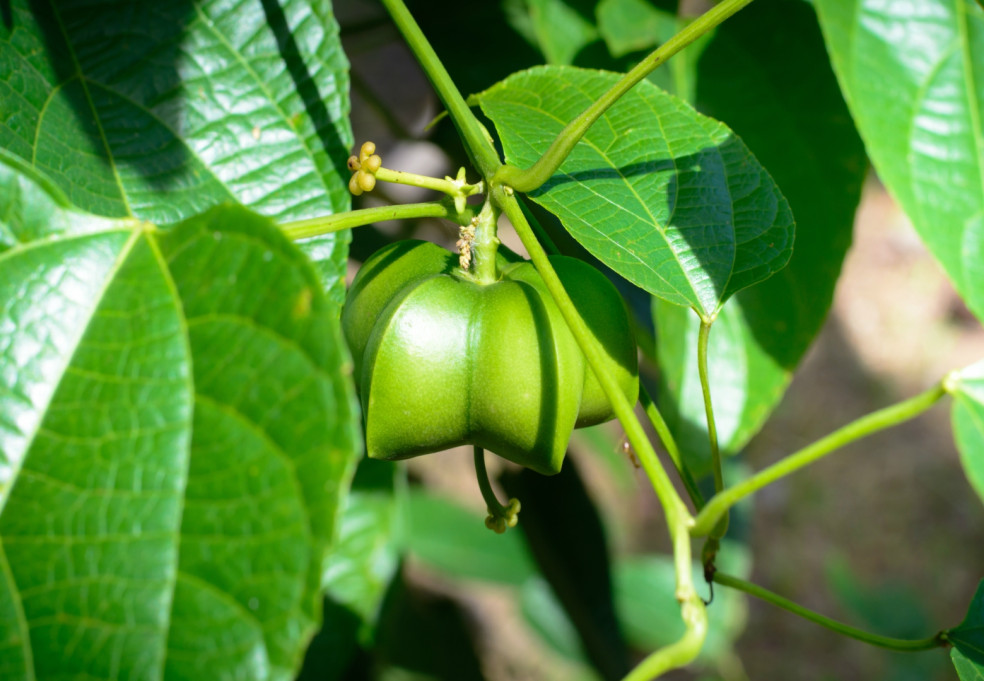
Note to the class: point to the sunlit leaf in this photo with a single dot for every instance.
(912, 74)
(671, 200)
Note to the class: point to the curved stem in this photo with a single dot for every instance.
(540, 172)
(303, 229)
(862, 427)
(666, 437)
(677, 654)
(705, 387)
(477, 143)
(485, 485)
(874, 639)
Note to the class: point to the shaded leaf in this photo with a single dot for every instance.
(363, 561)
(767, 74)
(911, 75)
(968, 638)
(173, 448)
(424, 636)
(968, 423)
(567, 540)
(453, 539)
(669, 199)
(558, 28)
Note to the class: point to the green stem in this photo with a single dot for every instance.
(531, 178)
(673, 506)
(302, 229)
(862, 427)
(906, 645)
(677, 654)
(666, 437)
(678, 518)
(446, 186)
(485, 485)
(477, 143)
(705, 386)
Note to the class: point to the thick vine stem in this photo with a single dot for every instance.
(477, 144)
(678, 518)
(533, 177)
(905, 645)
(719, 504)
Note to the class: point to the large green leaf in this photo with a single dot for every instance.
(912, 77)
(666, 197)
(178, 431)
(767, 74)
(161, 110)
(968, 423)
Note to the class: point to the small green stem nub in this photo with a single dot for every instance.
(500, 517)
(905, 645)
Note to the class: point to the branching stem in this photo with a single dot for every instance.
(853, 632)
(862, 427)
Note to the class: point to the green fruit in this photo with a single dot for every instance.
(442, 360)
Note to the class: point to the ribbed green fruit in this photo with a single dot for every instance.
(442, 360)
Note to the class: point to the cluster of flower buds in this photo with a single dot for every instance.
(364, 167)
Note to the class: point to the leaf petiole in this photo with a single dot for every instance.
(853, 632)
(719, 504)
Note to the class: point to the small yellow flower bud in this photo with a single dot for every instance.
(366, 181)
(353, 163)
(372, 163)
(368, 149)
(354, 185)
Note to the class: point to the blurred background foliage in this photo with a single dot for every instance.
(884, 535)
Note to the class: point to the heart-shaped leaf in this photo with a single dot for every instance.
(178, 429)
(668, 198)
(912, 77)
(766, 73)
(161, 110)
